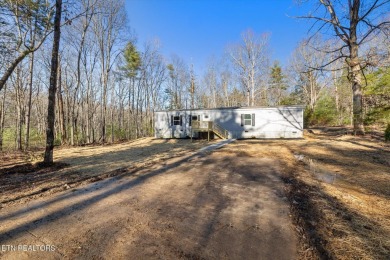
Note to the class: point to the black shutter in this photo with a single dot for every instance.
(190, 120)
(242, 119)
(171, 120)
(253, 119)
(181, 120)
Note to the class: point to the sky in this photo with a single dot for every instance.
(197, 30)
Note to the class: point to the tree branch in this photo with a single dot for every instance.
(373, 28)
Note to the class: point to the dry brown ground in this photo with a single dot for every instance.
(215, 205)
(81, 165)
(338, 188)
(339, 191)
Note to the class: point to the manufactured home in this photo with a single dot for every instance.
(232, 122)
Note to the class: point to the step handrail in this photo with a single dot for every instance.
(222, 131)
(210, 126)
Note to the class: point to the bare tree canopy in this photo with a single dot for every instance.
(26, 25)
(353, 23)
(251, 58)
(109, 85)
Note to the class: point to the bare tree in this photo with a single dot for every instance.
(108, 24)
(153, 71)
(61, 113)
(310, 82)
(20, 96)
(77, 37)
(251, 61)
(225, 87)
(210, 81)
(48, 158)
(354, 23)
(2, 117)
(226, 81)
(25, 27)
(179, 81)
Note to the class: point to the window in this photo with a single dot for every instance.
(192, 118)
(248, 119)
(176, 120)
(206, 116)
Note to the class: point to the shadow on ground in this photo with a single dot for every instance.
(199, 207)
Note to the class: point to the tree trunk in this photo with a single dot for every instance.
(248, 97)
(78, 83)
(356, 82)
(72, 127)
(252, 91)
(82, 119)
(67, 108)
(18, 127)
(355, 70)
(129, 108)
(61, 108)
(104, 109)
(132, 111)
(28, 115)
(48, 158)
(93, 129)
(19, 117)
(2, 115)
(88, 124)
(112, 114)
(358, 126)
(136, 122)
(337, 98)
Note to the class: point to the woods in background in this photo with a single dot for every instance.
(109, 85)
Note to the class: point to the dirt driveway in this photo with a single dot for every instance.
(80, 165)
(218, 205)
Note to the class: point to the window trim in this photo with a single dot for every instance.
(245, 121)
(176, 120)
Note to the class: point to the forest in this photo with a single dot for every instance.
(107, 85)
(83, 176)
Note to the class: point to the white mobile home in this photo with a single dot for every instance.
(232, 122)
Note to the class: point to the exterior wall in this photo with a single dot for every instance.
(275, 122)
(164, 129)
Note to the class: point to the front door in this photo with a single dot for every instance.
(192, 119)
(177, 126)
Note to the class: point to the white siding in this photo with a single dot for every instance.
(276, 122)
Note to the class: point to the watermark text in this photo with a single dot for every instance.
(27, 248)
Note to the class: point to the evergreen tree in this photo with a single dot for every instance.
(278, 87)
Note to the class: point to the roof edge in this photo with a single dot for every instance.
(232, 108)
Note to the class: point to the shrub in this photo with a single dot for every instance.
(387, 132)
(307, 117)
(324, 113)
